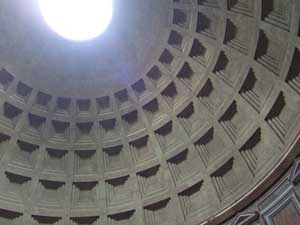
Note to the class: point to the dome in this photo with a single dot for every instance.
(183, 112)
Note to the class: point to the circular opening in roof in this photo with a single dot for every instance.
(77, 20)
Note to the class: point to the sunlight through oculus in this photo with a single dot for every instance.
(78, 20)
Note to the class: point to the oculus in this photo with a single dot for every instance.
(77, 20)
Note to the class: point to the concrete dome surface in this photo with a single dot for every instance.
(184, 112)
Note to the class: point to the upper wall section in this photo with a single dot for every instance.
(119, 57)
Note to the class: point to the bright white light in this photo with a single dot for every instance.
(77, 20)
